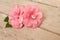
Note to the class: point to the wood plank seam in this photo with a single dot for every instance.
(45, 4)
(49, 31)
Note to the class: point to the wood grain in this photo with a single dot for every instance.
(49, 2)
(51, 22)
(27, 34)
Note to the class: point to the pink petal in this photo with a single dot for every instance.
(32, 16)
(15, 16)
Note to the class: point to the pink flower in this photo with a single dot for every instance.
(29, 16)
(32, 17)
(15, 16)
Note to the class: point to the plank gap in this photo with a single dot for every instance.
(49, 31)
(45, 4)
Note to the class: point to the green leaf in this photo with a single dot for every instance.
(6, 19)
(8, 25)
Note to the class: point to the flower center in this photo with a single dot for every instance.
(33, 17)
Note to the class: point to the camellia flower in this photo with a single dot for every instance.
(15, 16)
(29, 16)
(32, 17)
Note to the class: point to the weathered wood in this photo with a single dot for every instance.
(51, 22)
(48, 2)
(27, 34)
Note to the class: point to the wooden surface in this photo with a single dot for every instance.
(49, 2)
(49, 29)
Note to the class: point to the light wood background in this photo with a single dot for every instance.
(49, 29)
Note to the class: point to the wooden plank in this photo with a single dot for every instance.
(49, 2)
(6, 5)
(27, 34)
(51, 18)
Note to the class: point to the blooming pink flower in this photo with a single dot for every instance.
(29, 16)
(15, 16)
(32, 16)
